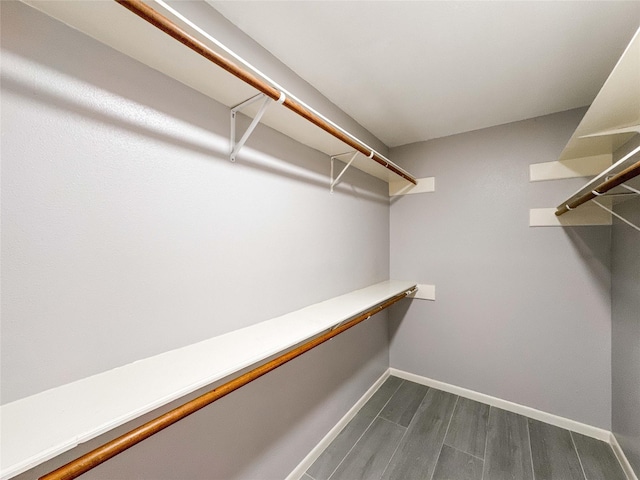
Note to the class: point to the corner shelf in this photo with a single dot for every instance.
(612, 122)
(614, 115)
(609, 133)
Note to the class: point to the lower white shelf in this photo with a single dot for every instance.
(42, 426)
(585, 215)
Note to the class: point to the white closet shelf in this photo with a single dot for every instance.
(42, 426)
(113, 25)
(614, 116)
(610, 126)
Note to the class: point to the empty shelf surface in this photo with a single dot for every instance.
(42, 426)
(614, 116)
(140, 40)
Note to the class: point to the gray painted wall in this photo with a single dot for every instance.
(625, 312)
(126, 232)
(521, 313)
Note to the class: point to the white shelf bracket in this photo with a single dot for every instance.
(620, 217)
(631, 189)
(424, 292)
(335, 181)
(236, 146)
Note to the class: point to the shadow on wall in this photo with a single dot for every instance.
(397, 312)
(119, 92)
(211, 140)
(588, 245)
(109, 117)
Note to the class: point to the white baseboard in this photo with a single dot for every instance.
(304, 465)
(550, 418)
(622, 458)
(572, 425)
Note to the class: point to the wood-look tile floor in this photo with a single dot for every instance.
(407, 431)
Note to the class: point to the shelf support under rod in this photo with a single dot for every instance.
(333, 158)
(617, 179)
(236, 146)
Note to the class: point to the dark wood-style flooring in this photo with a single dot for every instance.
(407, 431)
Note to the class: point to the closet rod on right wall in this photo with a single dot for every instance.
(616, 180)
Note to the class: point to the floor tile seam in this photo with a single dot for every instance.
(384, 470)
(379, 414)
(573, 445)
(414, 413)
(391, 421)
(390, 397)
(462, 451)
(352, 447)
(407, 432)
(366, 429)
(445, 436)
(533, 470)
(486, 430)
(485, 434)
(486, 440)
(395, 449)
(575, 448)
(412, 417)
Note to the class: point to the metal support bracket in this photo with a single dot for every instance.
(236, 146)
(620, 217)
(631, 189)
(335, 181)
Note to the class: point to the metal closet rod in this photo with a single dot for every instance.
(155, 18)
(109, 450)
(616, 180)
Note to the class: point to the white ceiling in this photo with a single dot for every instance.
(413, 70)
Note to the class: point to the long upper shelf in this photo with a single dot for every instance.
(152, 41)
